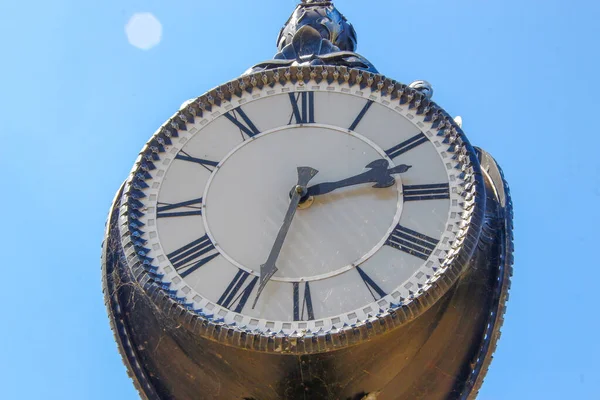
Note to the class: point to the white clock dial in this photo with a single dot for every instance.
(337, 231)
(221, 190)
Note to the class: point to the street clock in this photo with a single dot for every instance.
(311, 229)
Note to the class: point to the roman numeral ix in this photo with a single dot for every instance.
(237, 295)
(435, 191)
(412, 242)
(407, 145)
(193, 255)
(303, 106)
(303, 309)
(371, 285)
(246, 125)
(185, 209)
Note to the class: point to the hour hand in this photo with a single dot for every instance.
(378, 173)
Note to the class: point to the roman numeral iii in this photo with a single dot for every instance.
(426, 192)
(193, 256)
(303, 106)
(412, 242)
(238, 292)
(239, 118)
(183, 209)
(303, 310)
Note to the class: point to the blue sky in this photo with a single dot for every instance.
(77, 102)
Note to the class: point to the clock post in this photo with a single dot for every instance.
(370, 258)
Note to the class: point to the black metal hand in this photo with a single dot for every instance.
(378, 173)
(268, 269)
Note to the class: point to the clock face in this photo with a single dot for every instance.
(215, 196)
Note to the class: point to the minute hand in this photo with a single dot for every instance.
(378, 173)
(268, 269)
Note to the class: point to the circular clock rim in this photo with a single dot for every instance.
(315, 342)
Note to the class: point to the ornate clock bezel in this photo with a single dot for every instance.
(213, 327)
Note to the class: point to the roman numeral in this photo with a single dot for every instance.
(303, 106)
(246, 125)
(412, 242)
(361, 115)
(193, 255)
(407, 145)
(236, 294)
(299, 310)
(371, 285)
(209, 165)
(191, 207)
(435, 191)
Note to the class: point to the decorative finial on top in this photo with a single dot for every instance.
(315, 3)
(317, 34)
(324, 17)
